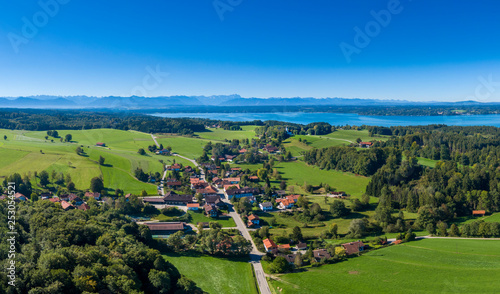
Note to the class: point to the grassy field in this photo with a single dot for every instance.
(216, 275)
(427, 266)
(219, 134)
(22, 149)
(298, 172)
(427, 162)
(188, 147)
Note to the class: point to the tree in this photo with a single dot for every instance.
(144, 193)
(71, 186)
(175, 240)
(160, 280)
(283, 185)
(296, 234)
(96, 184)
(340, 251)
(5, 137)
(68, 137)
(338, 209)
(410, 236)
(141, 151)
(44, 178)
(442, 229)
(357, 228)
(279, 265)
(101, 160)
(454, 231)
(298, 260)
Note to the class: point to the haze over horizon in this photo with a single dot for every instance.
(407, 50)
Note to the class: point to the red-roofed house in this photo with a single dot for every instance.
(353, 247)
(269, 245)
(193, 206)
(365, 144)
(66, 205)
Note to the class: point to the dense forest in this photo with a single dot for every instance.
(98, 250)
(466, 175)
(43, 120)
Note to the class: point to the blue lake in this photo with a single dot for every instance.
(347, 118)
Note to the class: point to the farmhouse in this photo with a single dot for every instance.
(353, 247)
(94, 195)
(208, 191)
(266, 206)
(66, 205)
(365, 144)
(253, 220)
(20, 197)
(211, 210)
(301, 246)
(270, 245)
(239, 193)
(173, 183)
(164, 228)
(319, 254)
(290, 258)
(285, 203)
(215, 200)
(100, 144)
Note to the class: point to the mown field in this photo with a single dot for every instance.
(216, 275)
(426, 266)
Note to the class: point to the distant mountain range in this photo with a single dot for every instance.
(169, 102)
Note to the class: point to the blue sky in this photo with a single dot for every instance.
(427, 50)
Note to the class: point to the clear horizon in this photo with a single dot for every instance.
(388, 50)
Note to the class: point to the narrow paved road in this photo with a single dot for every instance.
(255, 255)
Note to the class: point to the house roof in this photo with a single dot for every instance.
(290, 258)
(477, 212)
(284, 246)
(243, 191)
(232, 179)
(321, 253)
(366, 143)
(164, 226)
(266, 204)
(54, 199)
(268, 243)
(253, 217)
(301, 245)
(83, 207)
(65, 205)
(353, 247)
(231, 185)
(208, 208)
(192, 205)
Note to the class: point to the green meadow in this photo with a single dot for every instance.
(27, 152)
(426, 266)
(216, 275)
(219, 134)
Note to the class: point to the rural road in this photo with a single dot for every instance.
(255, 254)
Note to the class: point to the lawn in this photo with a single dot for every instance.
(216, 275)
(426, 266)
(247, 132)
(22, 149)
(189, 147)
(199, 217)
(297, 172)
(427, 162)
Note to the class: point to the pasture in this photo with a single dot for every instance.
(426, 266)
(216, 275)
